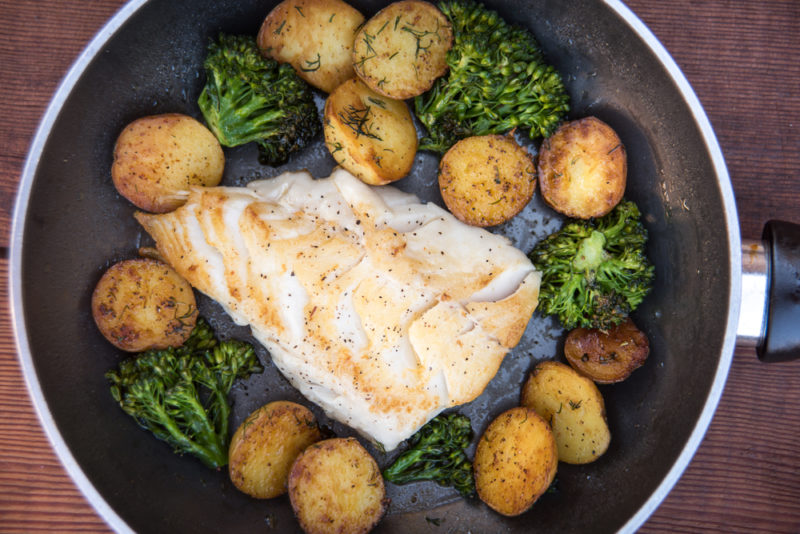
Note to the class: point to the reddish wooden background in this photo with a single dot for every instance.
(740, 56)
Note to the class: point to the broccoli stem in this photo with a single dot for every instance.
(595, 272)
(212, 454)
(250, 98)
(436, 452)
(590, 252)
(181, 394)
(497, 81)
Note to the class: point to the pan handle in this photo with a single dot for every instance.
(769, 320)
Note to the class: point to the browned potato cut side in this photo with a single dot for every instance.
(515, 461)
(266, 444)
(144, 304)
(583, 169)
(607, 356)
(158, 158)
(573, 406)
(486, 180)
(313, 36)
(401, 51)
(335, 486)
(368, 134)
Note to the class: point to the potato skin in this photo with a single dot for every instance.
(143, 304)
(583, 169)
(313, 36)
(335, 486)
(607, 356)
(515, 461)
(368, 134)
(266, 444)
(401, 51)
(158, 157)
(486, 180)
(573, 406)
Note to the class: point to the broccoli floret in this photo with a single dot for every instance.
(181, 394)
(436, 452)
(595, 272)
(248, 97)
(498, 81)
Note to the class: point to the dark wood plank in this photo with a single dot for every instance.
(741, 58)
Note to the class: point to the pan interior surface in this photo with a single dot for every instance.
(75, 225)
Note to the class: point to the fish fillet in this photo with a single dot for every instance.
(381, 309)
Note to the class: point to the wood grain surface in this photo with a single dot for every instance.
(740, 56)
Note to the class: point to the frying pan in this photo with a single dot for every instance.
(69, 225)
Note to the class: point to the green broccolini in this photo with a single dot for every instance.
(436, 452)
(595, 272)
(498, 81)
(181, 394)
(248, 97)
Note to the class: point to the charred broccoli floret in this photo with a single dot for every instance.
(181, 394)
(248, 97)
(436, 452)
(595, 272)
(498, 81)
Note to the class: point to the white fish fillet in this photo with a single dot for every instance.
(381, 309)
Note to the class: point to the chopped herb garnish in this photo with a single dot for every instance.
(358, 120)
(312, 66)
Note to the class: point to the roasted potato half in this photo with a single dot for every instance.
(607, 356)
(335, 486)
(573, 406)
(583, 169)
(515, 461)
(157, 159)
(143, 304)
(266, 444)
(313, 36)
(486, 180)
(368, 134)
(401, 51)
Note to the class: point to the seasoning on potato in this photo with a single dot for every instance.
(486, 180)
(401, 51)
(266, 444)
(515, 461)
(313, 36)
(607, 356)
(143, 304)
(583, 169)
(368, 134)
(573, 406)
(335, 486)
(157, 158)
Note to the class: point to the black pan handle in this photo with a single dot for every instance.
(770, 316)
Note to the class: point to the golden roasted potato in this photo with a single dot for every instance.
(370, 135)
(335, 486)
(607, 356)
(266, 444)
(159, 157)
(486, 180)
(313, 36)
(401, 51)
(573, 406)
(583, 169)
(515, 461)
(144, 304)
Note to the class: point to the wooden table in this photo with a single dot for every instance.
(740, 56)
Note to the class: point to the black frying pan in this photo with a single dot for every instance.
(70, 225)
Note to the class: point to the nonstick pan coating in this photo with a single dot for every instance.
(71, 224)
